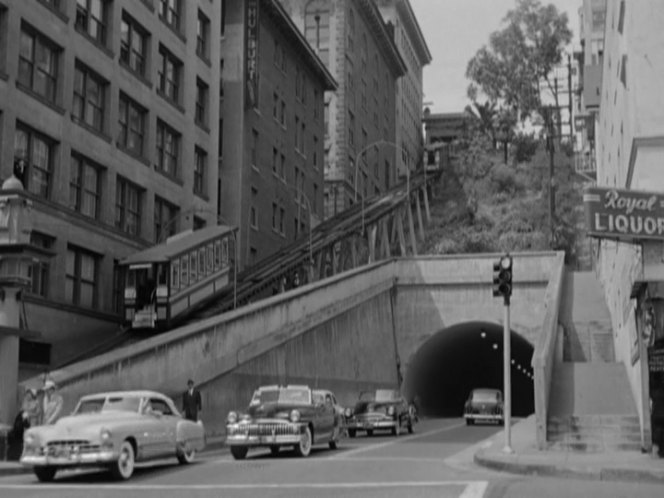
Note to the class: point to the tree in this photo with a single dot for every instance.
(519, 58)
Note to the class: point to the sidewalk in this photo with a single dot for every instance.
(214, 444)
(527, 459)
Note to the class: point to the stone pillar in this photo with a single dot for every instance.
(9, 320)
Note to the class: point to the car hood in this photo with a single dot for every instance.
(87, 426)
(277, 410)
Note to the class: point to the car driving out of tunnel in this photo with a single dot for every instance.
(383, 409)
(484, 405)
(285, 416)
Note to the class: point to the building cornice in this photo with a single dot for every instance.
(638, 143)
(382, 36)
(414, 32)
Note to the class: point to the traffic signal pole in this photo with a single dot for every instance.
(507, 377)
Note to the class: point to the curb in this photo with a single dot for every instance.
(588, 473)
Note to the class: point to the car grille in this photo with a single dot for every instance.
(268, 429)
(59, 447)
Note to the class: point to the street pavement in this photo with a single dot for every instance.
(436, 461)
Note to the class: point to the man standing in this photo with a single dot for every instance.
(52, 403)
(191, 402)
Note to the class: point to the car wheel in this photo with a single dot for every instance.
(239, 452)
(45, 474)
(351, 432)
(123, 468)
(274, 450)
(370, 432)
(186, 455)
(303, 448)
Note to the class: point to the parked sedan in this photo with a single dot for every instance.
(484, 405)
(113, 430)
(284, 416)
(383, 409)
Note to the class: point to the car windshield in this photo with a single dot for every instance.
(485, 396)
(379, 395)
(286, 395)
(108, 404)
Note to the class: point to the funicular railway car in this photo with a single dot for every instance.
(164, 282)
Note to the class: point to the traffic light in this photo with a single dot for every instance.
(502, 277)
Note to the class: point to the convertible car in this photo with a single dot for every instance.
(278, 416)
(113, 430)
(484, 405)
(383, 409)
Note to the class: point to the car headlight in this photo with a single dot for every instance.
(29, 439)
(391, 411)
(294, 416)
(106, 437)
(232, 418)
(348, 412)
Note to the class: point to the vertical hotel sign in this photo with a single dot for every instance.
(624, 214)
(251, 59)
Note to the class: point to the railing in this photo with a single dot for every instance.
(544, 354)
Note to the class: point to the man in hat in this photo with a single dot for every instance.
(52, 403)
(191, 402)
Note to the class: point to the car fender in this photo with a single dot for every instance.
(191, 432)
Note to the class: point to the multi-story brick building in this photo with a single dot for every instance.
(358, 48)
(409, 98)
(108, 103)
(271, 163)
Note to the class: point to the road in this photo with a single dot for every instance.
(436, 461)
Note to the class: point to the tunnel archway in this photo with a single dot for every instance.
(464, 356)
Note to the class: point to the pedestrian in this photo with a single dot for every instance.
(22, 422)
(52, 404)
(31, 407)
(191, 402)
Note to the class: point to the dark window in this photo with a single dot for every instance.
(84, 186)
(169, 12)
(38, 64)
(39, 270)
(132, 125)
(253, 217)
(89, 97)
(201, 102)
(202, 35)
(621, 18)
(169, 75)
(254, 148)
(200, 166)
(127, 207)
(168, 146)
(37, 152)
(133, 45)
(118, 287)
(81, 277)
(91, 18)
(165, 219)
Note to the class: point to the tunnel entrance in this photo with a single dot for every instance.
(457, 359)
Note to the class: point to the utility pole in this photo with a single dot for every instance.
(552, 187)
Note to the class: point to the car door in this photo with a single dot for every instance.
(328, 416)
(164, 426)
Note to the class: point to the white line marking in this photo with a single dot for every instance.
(473, 486)
(364, 449)
(474, 490)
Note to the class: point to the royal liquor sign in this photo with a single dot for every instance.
(251, 59)
(624, 214)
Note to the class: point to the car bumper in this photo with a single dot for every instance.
(362, 425)
(484, 416)
(72, 460)
(281, 440)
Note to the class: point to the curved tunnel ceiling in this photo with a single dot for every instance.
(465, 356)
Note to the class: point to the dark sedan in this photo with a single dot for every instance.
(484, 405)
(383, 409)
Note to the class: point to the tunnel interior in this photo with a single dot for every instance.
(462, 357)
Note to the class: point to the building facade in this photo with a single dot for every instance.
(630, 153)
(358, 48)
(410, 95)
(271, 162)
(108, 120)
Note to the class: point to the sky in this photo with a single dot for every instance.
(454, 30)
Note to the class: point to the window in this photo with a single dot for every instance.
(275, 105)
(132, 125)
(81, 277)
(84, 186)
(127, 207)
(200, 165)
(253, 216)
(202, 35)
(91, 19)
(282, 114)
(275, 160)
(165, 217)
(621, 17)
(282, 217)
(254, 148)
(169, 12)
(299, 85)
(282, 167)
(314, 159)
(274, 216)
(37, 152)
(133, 45)
(169, 75)
(38, 64)
(623, 70)
(168, 145)
(201, 102)
(118, 287)
(317, 28)
(89, 97)
(39, 270)
(351, 128)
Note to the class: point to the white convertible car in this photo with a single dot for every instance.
(113, 430)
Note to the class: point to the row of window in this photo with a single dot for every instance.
(198, 264)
